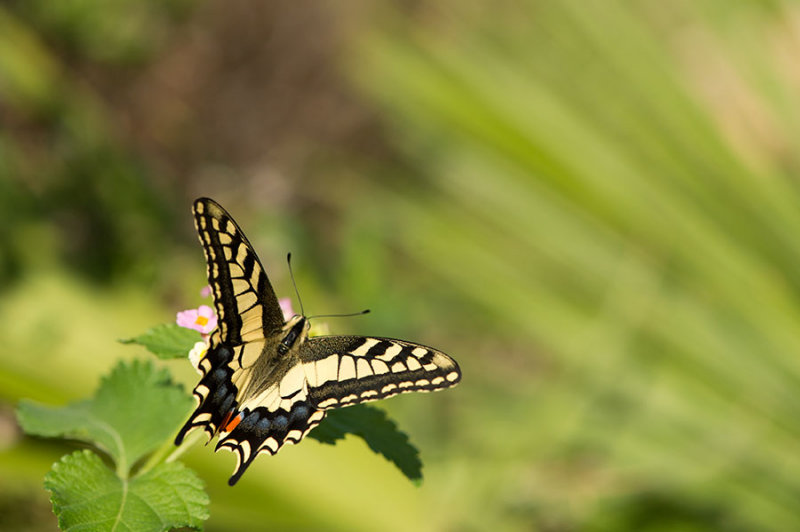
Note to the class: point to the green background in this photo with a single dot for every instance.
(592, 205)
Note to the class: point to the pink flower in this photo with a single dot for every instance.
(286, 307)
(205, 291)
(200, 319)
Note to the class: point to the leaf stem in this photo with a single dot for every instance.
(167, 452)
(190, 440)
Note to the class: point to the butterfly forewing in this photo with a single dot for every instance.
(245, 301)
(257, 393)
(346, 370)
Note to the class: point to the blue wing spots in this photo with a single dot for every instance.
(280, 423)
(262, 428)
(300, 412)
(228, 402)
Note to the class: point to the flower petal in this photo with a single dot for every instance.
(286, 307)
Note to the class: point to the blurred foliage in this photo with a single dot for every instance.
(591, 205)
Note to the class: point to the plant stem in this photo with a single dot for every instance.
(166, 453)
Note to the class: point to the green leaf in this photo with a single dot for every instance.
(133, 411)
(167, 340)
(88, 496)
(381, 434)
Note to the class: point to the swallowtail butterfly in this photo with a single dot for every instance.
(264, 381)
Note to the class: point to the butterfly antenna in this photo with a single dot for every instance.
(365, 311)
(296, 291)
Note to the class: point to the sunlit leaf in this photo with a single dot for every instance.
(168, 340)
(88, 496)
(134, 410)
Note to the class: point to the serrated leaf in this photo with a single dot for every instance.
(88, 496)
(381, 434)
(168, 340)
(133, 411)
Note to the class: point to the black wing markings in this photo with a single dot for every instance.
(326, 372)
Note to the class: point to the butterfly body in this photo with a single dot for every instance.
(264, 381)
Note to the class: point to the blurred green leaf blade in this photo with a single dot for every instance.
(87, 495)
(167, 340)
(377, 430)
(133, 411)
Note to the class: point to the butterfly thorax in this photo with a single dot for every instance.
(278, 354)
(295, 333)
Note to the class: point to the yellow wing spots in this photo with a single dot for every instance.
(241, 254)
(249, 353)
(350, 398)
(215, 224)
(390, 352)
(452, 376)
(293, 381)
(238, 455)
(228, 252)
(202, 391)
(363, 369)
(316, 416)
(369, 393)
(422, 382)
(236, 270)
(246, 300)
(286, 404)
(413, 364)
(202, 223)
(362, 350)
(251, 335)
(327, 369)
(406, 384)
(202, 418)
(436, 381)
(347, 368)
(240, 286)
(442, 361)
(269, 398)
(246, 450)
(199, 207)
(379, 367)
(294, 436)
(310, 370)
(430, 367)
(419, 352)
(327, 402)
(271, 444)
(398, 367)
(388, 388)
(225, 238)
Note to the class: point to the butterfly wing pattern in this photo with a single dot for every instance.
(264, 381)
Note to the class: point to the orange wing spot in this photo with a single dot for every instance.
(225, 420)
(235, 421)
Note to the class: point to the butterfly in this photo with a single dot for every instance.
(264, 381)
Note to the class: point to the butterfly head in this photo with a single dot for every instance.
(294, 333)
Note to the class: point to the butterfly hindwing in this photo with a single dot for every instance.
(332, 372)
(347, 370)
(268, 421)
